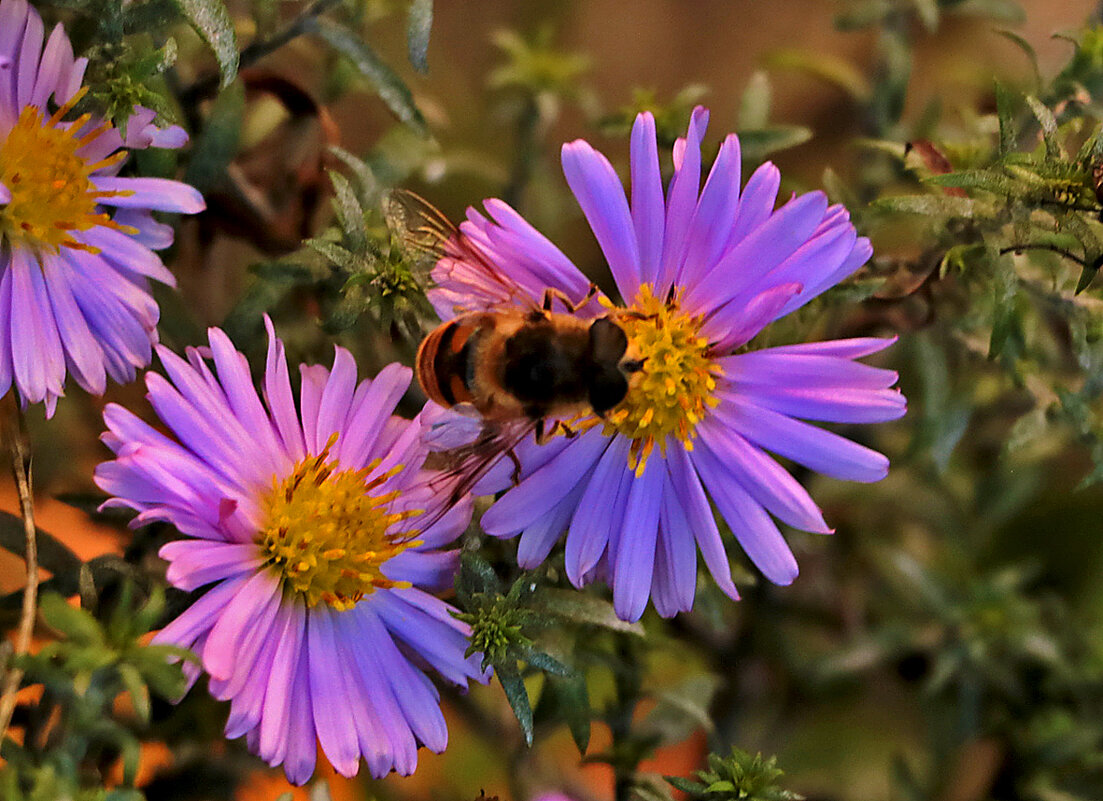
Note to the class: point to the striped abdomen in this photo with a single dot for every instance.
(444, 362)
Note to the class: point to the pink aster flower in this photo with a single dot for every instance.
(702, 271)
(318, 624)
(76, 240)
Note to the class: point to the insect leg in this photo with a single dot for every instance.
(551, 293)
(516, 477)
(542, 435)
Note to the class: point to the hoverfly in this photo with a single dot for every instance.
(509, 363)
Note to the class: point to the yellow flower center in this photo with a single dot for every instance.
(326, 534)
(674, 389)
(52, 194)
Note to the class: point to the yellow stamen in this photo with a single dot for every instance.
(52, 194)
(673, 391)
(327, 536)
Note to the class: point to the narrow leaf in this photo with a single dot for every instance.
(1027, 48)
(350, 214)
(574, 705)
(369, 186)
(934, 206)
(1008, 134)
(754, 108)
(1048, 122)
(388, 85)
(832, 69)
(1086, 277)
(518, 697)
(418, 24)
(758, 143)
(545, 662)
(76, 624)
(137, 690)
(581, 608)
(212, 22)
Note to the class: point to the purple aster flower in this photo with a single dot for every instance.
(318, 621)
(702, 270)
(76, 240)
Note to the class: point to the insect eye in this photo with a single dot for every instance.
(607, 341)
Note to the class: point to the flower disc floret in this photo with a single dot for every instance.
(327, 536)
(675, 388)
(52, 194)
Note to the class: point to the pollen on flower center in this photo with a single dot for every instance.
(675, 388)
(52, 194)
(327, 535)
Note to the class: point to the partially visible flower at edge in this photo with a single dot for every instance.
(302, 521)
(74, 277)
(703, 270)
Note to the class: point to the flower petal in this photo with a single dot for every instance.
(597, 187)
(648, 211)
(756, 532)
(160, 194)
(816, 449)
(634, 552)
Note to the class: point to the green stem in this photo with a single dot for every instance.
(21, 471)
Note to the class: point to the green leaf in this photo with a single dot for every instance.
(418, 25)
(369, 185)
(76, 624)
(545, 662)
(212, 22)
(1087, 275)
(165, 678)
(987, 180)
(476, 575)
(1008, 12)
(1049, 126)
(137, 689)
(1008, 134)
(580, 607)
(754, 108)
(683, 709)
(350, 215)
(687, 786)
(334, 253)
(832, 69)
(573, 703)
(928, 13)
(517, 695)
(132, 757)
(758, 143)
(721, 786)
(935, 206)
(388, 85)
(1027, 48)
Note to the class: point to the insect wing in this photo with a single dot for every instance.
(458, 470)
(455, 270)
(423, 231)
